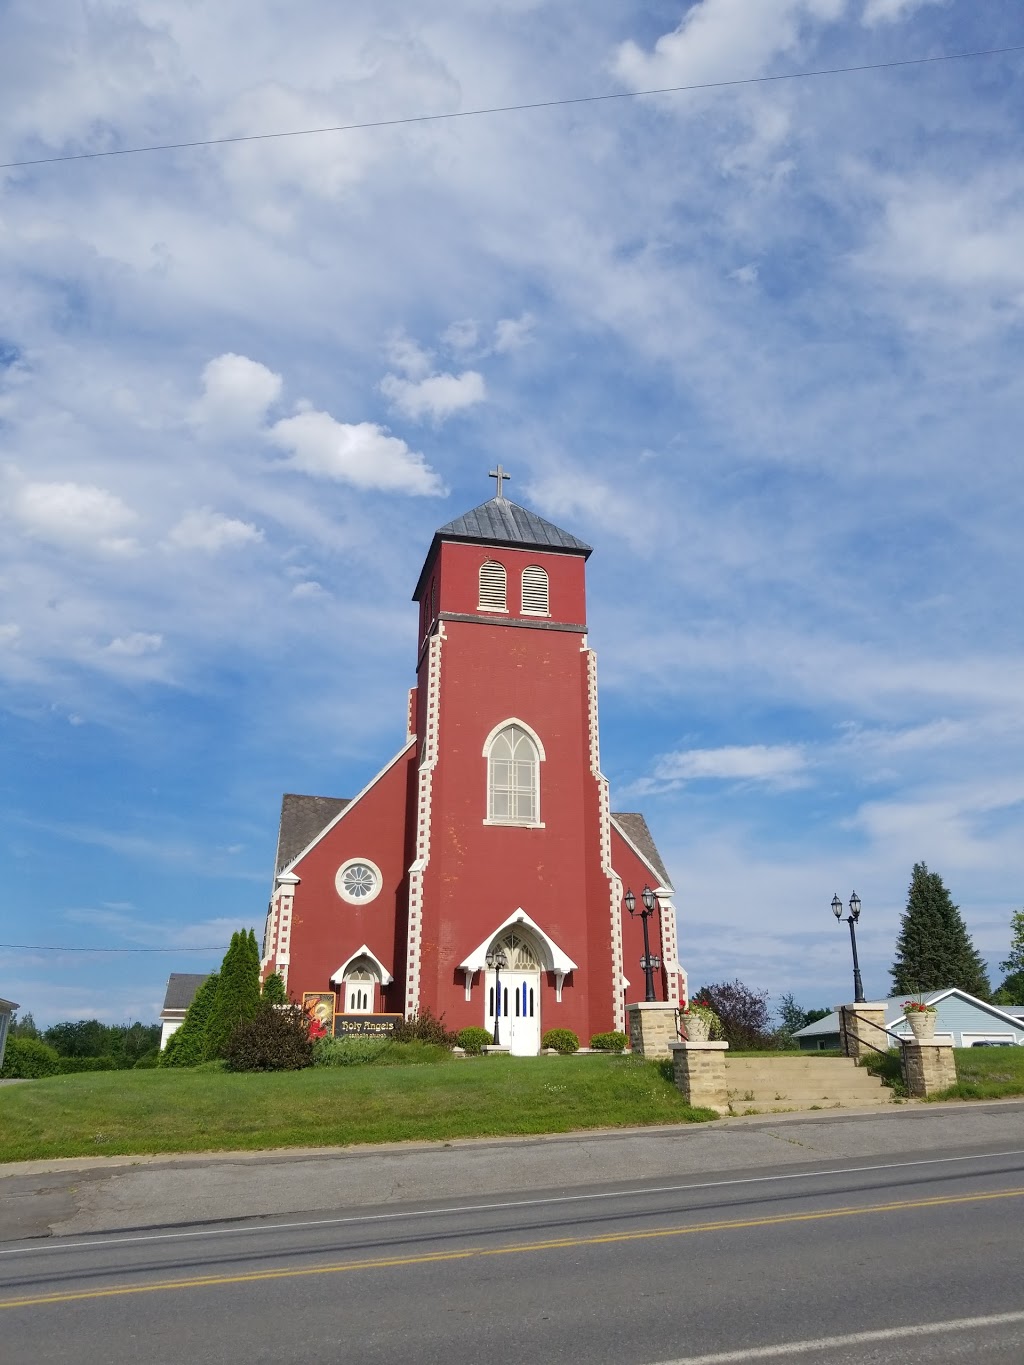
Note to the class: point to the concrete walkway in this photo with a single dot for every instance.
(94, 1194)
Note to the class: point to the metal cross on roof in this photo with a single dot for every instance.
(500, 475)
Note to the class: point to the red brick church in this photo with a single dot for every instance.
(487, 841)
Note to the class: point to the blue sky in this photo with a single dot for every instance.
(761, 346)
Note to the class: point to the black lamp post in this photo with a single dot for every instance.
(650, 961)
(852, 918)
(497, 961)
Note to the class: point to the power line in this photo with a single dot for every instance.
(514, 108)
(48, 947)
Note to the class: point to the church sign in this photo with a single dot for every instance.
(365, 1025)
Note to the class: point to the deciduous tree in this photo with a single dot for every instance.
(746, 1022)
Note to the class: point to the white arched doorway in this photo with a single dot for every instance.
(518, 1010)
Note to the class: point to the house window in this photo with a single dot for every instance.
(493, 587)
(535, 591)
(513, 778)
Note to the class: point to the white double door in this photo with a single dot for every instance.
(519, 1016)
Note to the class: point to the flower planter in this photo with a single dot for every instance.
(697, 1029)
(922, 1023)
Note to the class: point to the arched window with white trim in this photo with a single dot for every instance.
(513, 778)
(493, 587)
(535, 591)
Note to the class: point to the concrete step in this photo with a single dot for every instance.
(762, 1085)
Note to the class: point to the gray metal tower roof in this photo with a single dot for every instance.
(500, 522)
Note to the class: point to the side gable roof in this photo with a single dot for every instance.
(315, 815)
(182, 988)
(894, 1012)
(633, 828)
(302, 819)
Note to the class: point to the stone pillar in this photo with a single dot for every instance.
(699, 1072)
(861, 1036)
(928, 1066)
(652, 1028)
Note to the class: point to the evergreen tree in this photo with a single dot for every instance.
(1011, 990)
(187, 1045)
(274, 992)
(934, 950)
(238, 992)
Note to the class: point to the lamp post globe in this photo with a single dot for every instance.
(648, 963)
(497, 962)
(851, 919)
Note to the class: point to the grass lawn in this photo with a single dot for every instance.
(133, 1112)
(986, 1073)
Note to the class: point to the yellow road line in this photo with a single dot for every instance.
(556, 1244)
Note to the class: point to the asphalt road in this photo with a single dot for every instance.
(882, 1260)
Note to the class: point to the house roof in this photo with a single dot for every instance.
(634, 827)
(302, 819)
(894, 1012)
(182, 988)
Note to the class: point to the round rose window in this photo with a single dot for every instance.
(358, 881)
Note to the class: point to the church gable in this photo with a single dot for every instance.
(631, 827)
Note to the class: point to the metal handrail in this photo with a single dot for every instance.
(847, 1013)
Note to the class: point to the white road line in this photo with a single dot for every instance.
(115, 1240)
(820, 1344)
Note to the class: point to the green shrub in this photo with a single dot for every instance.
(28, 1059)
(69, 1066)
(609, 1042)
(349, 1051)
(425, 1028)
(376, 1052)
(888, 1067)
(276, 1038)
(474, 1040)
(147, 1060)
(561, 1039)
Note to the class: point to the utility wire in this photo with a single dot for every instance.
(48, 948)
(514, 108)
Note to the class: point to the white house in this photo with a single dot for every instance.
(963, 1019)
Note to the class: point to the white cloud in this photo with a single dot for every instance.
(462, 336)
(308, 590)
(359, 453)
(204, 529)
(512, 333)
(135, 645)
(9, 633)
(773, 764)
(436, 397)
(237, 392)
(720, 40)
(75, 514)
(745, 274)
(408, 356)
(891, 11)
(960, 236)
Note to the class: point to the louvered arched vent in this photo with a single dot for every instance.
(493, 587)
(535, 591)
